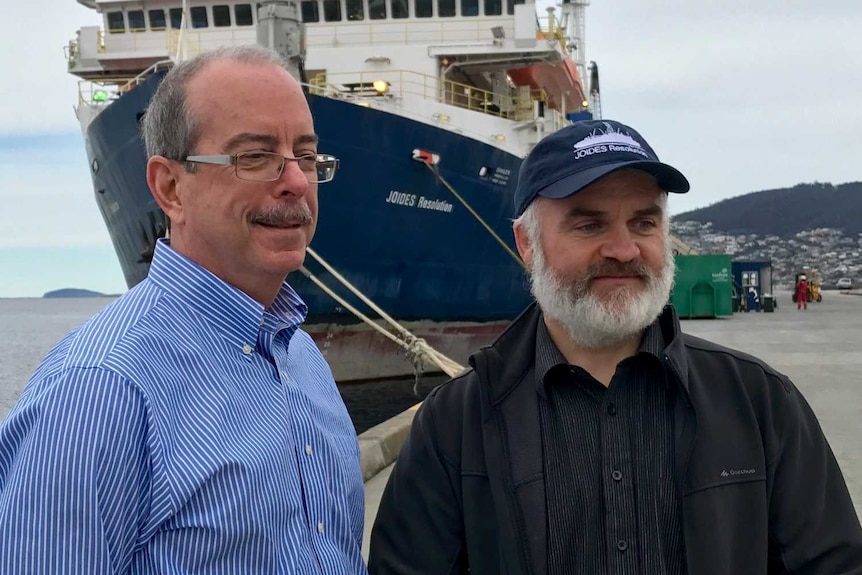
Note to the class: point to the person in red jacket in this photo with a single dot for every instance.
(802, 293)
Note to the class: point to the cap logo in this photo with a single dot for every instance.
(608, 140)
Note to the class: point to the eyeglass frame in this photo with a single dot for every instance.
(232, 160)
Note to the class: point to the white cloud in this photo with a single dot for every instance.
(38, 94)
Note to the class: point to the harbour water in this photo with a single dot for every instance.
(31, 327)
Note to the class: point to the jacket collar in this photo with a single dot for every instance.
(505, 362)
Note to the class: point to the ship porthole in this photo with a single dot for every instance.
(95, 166)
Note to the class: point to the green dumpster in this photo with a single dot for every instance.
(703, 286)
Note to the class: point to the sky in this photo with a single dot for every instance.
(740, 95)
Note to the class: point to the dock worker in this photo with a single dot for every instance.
(594, 436)
(802, 293)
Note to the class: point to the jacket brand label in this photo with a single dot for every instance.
(735, 472)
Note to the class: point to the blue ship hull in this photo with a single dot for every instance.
(386, 222)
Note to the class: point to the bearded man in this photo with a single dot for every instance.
(594, 436)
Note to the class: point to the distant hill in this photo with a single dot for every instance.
(786, 211)
(71, 292)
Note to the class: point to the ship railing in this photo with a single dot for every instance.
(132, 40)
(197, 41)
(100, 93)
(551, 28)
(400, 32)
(514, 105)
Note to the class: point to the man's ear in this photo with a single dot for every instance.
(522, 242)
(163, 178)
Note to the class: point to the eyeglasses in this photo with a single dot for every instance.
(268, 166)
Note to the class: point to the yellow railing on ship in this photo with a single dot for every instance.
(104, 91)
(550, 27)
(404, 82)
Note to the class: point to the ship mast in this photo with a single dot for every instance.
(182, 44)
(573, 13)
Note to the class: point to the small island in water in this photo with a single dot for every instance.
(72, 292)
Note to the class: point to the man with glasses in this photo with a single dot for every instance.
(191, 426)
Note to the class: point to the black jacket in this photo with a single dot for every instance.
(760, 489)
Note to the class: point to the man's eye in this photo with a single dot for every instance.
(254, 158)
(307, 162)
(591, 227)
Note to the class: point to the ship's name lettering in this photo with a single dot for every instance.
(401, 199)
(411, 201)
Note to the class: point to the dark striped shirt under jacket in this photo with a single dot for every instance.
(612, 506)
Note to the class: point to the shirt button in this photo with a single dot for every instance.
(617, 475)
(622, 545)
(320, 527)
(246, 349)
(612, 409)
(262, 321)
(308, 449)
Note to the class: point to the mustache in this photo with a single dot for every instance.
(614, 268)
(283, 215)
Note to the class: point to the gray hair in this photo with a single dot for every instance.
(169, 127)
(529, 221)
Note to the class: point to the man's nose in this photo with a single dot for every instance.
(293, 180)
(620, 245)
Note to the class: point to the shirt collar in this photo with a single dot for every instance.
(232, 312)
(548, 355)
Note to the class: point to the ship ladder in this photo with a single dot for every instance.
(417, 348)
(430, 162)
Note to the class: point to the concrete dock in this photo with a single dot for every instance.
(819, 349)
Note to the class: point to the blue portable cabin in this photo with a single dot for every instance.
(751, 280)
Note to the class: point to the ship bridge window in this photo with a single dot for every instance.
(493, 7)
(446, 8)
(116, 23)
(176, 18)
(469, 7)
(424, 8)
(332, 10)
(221, 16)
(242, 15)
(136, 21)
(377, 9)
(355, 10)
(157, 19)
(199, 17)
(400, 9)
(510, 5)
(310, 11)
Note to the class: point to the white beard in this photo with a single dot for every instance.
(596, 322)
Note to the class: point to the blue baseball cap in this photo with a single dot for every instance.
(572, 158)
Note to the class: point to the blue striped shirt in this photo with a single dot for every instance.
(183, 429)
